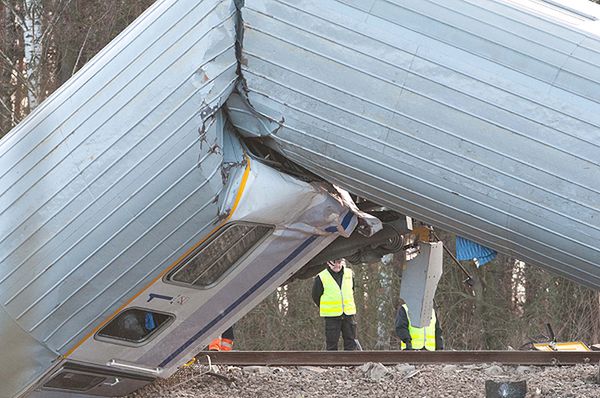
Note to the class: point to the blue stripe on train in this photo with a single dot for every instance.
(257, 285)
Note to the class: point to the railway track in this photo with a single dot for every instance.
(352, 358)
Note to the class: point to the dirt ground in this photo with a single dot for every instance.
(373, 380)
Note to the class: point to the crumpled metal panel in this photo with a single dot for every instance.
(103, 185)
(480, 117)
(305, 218)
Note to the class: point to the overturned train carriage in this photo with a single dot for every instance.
(139, 219)
(139, 226)
(480, 117)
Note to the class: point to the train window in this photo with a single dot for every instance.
(74, 381)
(215, 257)
(135, 325)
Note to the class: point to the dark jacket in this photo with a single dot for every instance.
(317, 290)
(404, 335)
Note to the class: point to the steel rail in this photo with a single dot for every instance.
(352, 358)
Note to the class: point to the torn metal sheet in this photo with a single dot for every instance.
(420, 277)
(480, 117)
(368, 225)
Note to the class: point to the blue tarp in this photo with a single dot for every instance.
(469, 250)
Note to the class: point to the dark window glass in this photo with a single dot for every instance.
(218, 255)
(74, 381)
(134, 325)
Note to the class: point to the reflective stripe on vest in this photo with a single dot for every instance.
(421, 337)
(226, 344)
(336, 301)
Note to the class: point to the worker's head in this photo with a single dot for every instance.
(336, 265)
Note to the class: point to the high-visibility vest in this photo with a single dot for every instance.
(221, 344)
(215, 345)
(336, 301)
(421, 337)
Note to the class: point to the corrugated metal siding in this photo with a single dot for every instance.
(107, 182)
(475, 116)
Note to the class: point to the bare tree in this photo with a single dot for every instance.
(383, 303)
(32, 45)
(44, 42)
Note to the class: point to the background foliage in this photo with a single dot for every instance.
(506, 307)
(485, 317)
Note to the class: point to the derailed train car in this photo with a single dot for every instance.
(480, 117)
(186, 171)
(253, 240)
(139, 224)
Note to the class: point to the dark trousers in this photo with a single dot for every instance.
(344, 324)
(228, 334)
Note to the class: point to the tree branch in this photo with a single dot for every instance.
(6, 107)
(7, 59)
(19, 76)
(55, 19)
(80, 51)
(19, 19)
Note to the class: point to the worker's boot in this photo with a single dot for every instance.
(215, 345)
(226, 344)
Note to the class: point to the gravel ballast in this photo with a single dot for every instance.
(372, 380)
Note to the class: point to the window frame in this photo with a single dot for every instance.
(167, 278)
(151, 336)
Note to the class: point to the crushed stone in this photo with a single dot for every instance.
(373, 380)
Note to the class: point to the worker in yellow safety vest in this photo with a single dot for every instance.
(412, 338)
(223, 342)
(333, 292)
